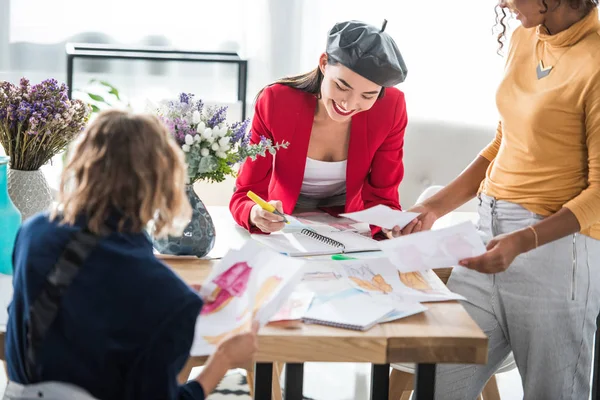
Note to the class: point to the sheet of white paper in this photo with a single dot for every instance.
(442, 248)
(294, 307)
(321, 221)
(383, 216)
(252, 282)
(404, 310)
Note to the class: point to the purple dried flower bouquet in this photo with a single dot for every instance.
(38, 121)
(212, 147)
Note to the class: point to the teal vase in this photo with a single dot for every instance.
(10, 220)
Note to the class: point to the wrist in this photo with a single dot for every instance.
(526, 240)
(213, 372)
(434, 209)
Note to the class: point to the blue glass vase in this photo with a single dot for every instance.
(10, 220)
(197, 239)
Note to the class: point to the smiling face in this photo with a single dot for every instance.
(528, 12)
(345, 93)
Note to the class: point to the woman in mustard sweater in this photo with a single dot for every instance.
(536, 291)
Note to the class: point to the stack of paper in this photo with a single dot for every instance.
(248, 284)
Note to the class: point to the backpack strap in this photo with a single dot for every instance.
(42, 312)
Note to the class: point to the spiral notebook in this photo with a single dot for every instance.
(310, 243)
(359, 313)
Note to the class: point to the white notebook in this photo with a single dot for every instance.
(310, 243)
(357, 312)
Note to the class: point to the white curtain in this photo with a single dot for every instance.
(448, 47)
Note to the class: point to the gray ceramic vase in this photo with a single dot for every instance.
(29, 191)
(197, 239)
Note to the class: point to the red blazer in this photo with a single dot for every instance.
(374, 168)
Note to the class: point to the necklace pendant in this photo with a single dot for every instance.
(542, 71)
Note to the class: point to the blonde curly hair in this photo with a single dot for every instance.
(126, 165)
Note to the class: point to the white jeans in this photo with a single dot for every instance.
(543, 308)
(46, 391)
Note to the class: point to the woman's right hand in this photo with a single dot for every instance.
(266, 221)
(239, 350)
(235, 351)
(424, 222)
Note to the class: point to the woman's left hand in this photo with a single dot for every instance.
(501, 252)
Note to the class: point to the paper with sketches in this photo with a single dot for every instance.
(334, 279)
(383, 216)
(294, 308)
(248, 284)
(323, 222)
(379, 276)
(442, 248)
(378, 279)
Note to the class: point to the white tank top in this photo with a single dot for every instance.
(323, 179)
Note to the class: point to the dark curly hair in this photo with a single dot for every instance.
(502, 16)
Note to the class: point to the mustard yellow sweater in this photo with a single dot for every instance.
(546, 153)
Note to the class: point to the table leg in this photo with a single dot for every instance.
(380, 381)
(294, 381)
(263, 381)
(425, 382)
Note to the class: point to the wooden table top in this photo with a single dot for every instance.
(445, 333)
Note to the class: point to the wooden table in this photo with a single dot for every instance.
(443, 334)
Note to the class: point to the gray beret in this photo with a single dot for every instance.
(368, 51)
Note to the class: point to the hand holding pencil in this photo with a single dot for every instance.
(267, 216)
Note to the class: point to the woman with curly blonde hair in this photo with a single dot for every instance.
(93, 308)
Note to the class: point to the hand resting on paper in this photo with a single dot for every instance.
(235, 351)
(266, 221)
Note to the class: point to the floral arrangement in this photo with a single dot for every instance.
(38, 121)
(212, 147)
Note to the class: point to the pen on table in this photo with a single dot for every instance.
(341, 257)
(266, 206)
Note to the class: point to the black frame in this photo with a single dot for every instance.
(380, 381)
(109, 52)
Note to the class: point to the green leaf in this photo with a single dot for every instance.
(96, 97)
(115, 92)
(95, 109)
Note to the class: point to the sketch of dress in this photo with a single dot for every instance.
(261, 297)
(367, 280)
(231, 283)
(415, 280)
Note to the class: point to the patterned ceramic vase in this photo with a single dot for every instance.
(197, 239)
(29, 191)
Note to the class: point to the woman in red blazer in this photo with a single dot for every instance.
(344, 123)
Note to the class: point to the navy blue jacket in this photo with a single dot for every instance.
(125, 326)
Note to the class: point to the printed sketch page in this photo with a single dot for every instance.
(383, 216)
(322, 222)
(248, 284)
(379, 276)
(378, 279)
(441, 248)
